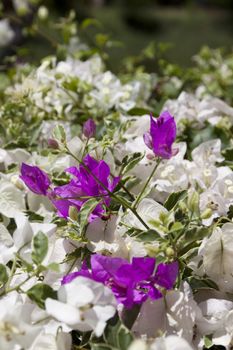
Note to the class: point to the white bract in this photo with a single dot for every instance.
(217, 252)
(171, 342)
(16, 330)
(83, 304)
(176, 313)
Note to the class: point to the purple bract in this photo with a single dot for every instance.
(161, 136)
(131, 283)
(89, 128)
(84, 185)
(35, 179)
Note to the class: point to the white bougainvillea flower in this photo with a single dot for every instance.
(83, 304)
(172, 342)
(61, 341)
(197, 110)
(217, 252)
(7, 248)
(11, 200)
(174, 314)
(214, 320)
(16, 329)
(208, 152)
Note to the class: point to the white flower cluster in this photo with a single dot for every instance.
(59, 87)
(36, 311)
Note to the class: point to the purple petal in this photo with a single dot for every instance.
(68, 278)
(105, 267)
(143, 268)
(166, 274)
(162, 135)
(90, 162)
(35, 179)
(73, 170)
(148, 140)
(63, 206)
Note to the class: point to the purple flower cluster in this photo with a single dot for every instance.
(131, 283)
(85, 184)
(161, 136)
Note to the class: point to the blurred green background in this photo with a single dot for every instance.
(185, 25)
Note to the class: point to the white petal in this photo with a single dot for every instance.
(62, 312)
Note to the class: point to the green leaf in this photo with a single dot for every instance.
(130, 161)
(125, 338)
(174, 198)
(3, 275)
(201, 283)
(90, 22)
(40, 247)
(40, 292)
(185, 249)
(208, 341)
(86, 210)
(33, 217)
(230, 212)
(228, 154)
(196, 233)
(176, 226)
(148, 236)
(54, 267)
(59, 134)
(101, 39)
(118, 336)
(138, 111)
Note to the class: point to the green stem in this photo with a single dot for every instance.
(9, 290)
(147, 183)
(51, 40)
(125, 189)
(13, 268)
(85, 147)
(112, 195)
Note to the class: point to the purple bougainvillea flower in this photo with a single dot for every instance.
(161, 136)
(131, 283)
(35, 179)
(89, 128)
(83, 186)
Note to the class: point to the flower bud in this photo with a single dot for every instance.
(193, 201)
(89, 128)
(206, 213)
(152, 250)
(170, 252)
(182, 206)
(53, 144)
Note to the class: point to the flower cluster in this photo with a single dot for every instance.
(91, 179)
(116, 224)
(131, 283)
